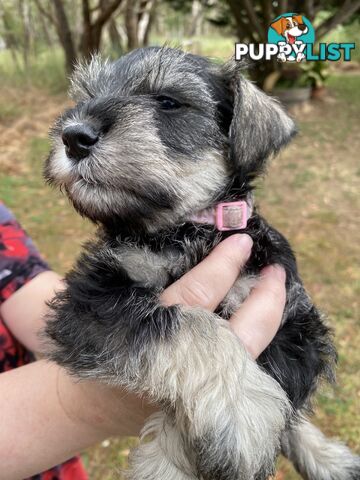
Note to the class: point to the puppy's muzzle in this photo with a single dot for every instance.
(79, 140)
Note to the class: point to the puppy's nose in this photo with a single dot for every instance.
(302, 26)
(78, 140)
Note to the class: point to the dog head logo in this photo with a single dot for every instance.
(290, 27)
(292, 32)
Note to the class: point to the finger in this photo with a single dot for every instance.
(258, 319)
(207, 284)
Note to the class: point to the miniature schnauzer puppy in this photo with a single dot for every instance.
(161, 151)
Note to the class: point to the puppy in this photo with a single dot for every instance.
(160, 152)
(291, 28)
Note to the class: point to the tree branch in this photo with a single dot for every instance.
(340, 16)
(309, 9)
(268, 11)
(254, 20)
(86, 12)
(282, 7)
(45, 13)
(96, 8)
(107, 12)
(243, 29)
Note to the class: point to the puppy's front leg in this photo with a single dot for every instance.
(224, 413)
(230, 412)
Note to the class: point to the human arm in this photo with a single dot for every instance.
(24, 311)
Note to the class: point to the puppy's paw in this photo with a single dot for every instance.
(164, 456)
(317, 457)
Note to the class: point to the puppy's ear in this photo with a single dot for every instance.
(259, 127)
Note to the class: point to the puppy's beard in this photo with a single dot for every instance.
(95, 201)
(61, 168)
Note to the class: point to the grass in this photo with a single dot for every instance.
(8, 112)
(317, 210)
(45, 71)
(310, 194)
(46, 214)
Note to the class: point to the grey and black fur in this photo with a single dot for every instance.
(155, 137)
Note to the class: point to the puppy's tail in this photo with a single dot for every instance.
(164, 456)
(316, 457)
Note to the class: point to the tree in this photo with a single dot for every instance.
(139, 15)
(251, 20)
(93, 21)
(93, 24)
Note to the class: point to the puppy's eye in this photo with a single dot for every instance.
(167, 103)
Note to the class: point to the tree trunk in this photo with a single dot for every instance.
(246, 32)
(115, 37)
(46, 32)
(196, 19)
(65, 36)
(145, 19)
(26, 43)
(131, 23)
(10, 39)
(150, 24)
(92, 30)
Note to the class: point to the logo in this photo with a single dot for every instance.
(291, 38)
(293, 33)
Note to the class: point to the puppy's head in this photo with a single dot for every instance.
(158, 135)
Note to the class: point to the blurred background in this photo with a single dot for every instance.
(310, 192)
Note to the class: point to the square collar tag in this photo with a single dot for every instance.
(231, 215)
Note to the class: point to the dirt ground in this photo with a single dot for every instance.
(310, 194)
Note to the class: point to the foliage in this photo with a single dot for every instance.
(315, 74)
(307, 74)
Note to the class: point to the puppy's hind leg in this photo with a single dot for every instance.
(161, 454)
(317, 457)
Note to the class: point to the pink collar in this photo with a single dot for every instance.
(226, 215)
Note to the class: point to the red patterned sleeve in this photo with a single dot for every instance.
(20, 261)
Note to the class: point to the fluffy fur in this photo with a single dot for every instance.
(174, 134)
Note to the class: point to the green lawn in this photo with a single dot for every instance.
(310, 194)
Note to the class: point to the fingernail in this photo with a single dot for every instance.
(244, 241)
(277, 270)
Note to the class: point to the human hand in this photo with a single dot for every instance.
(259, 317)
